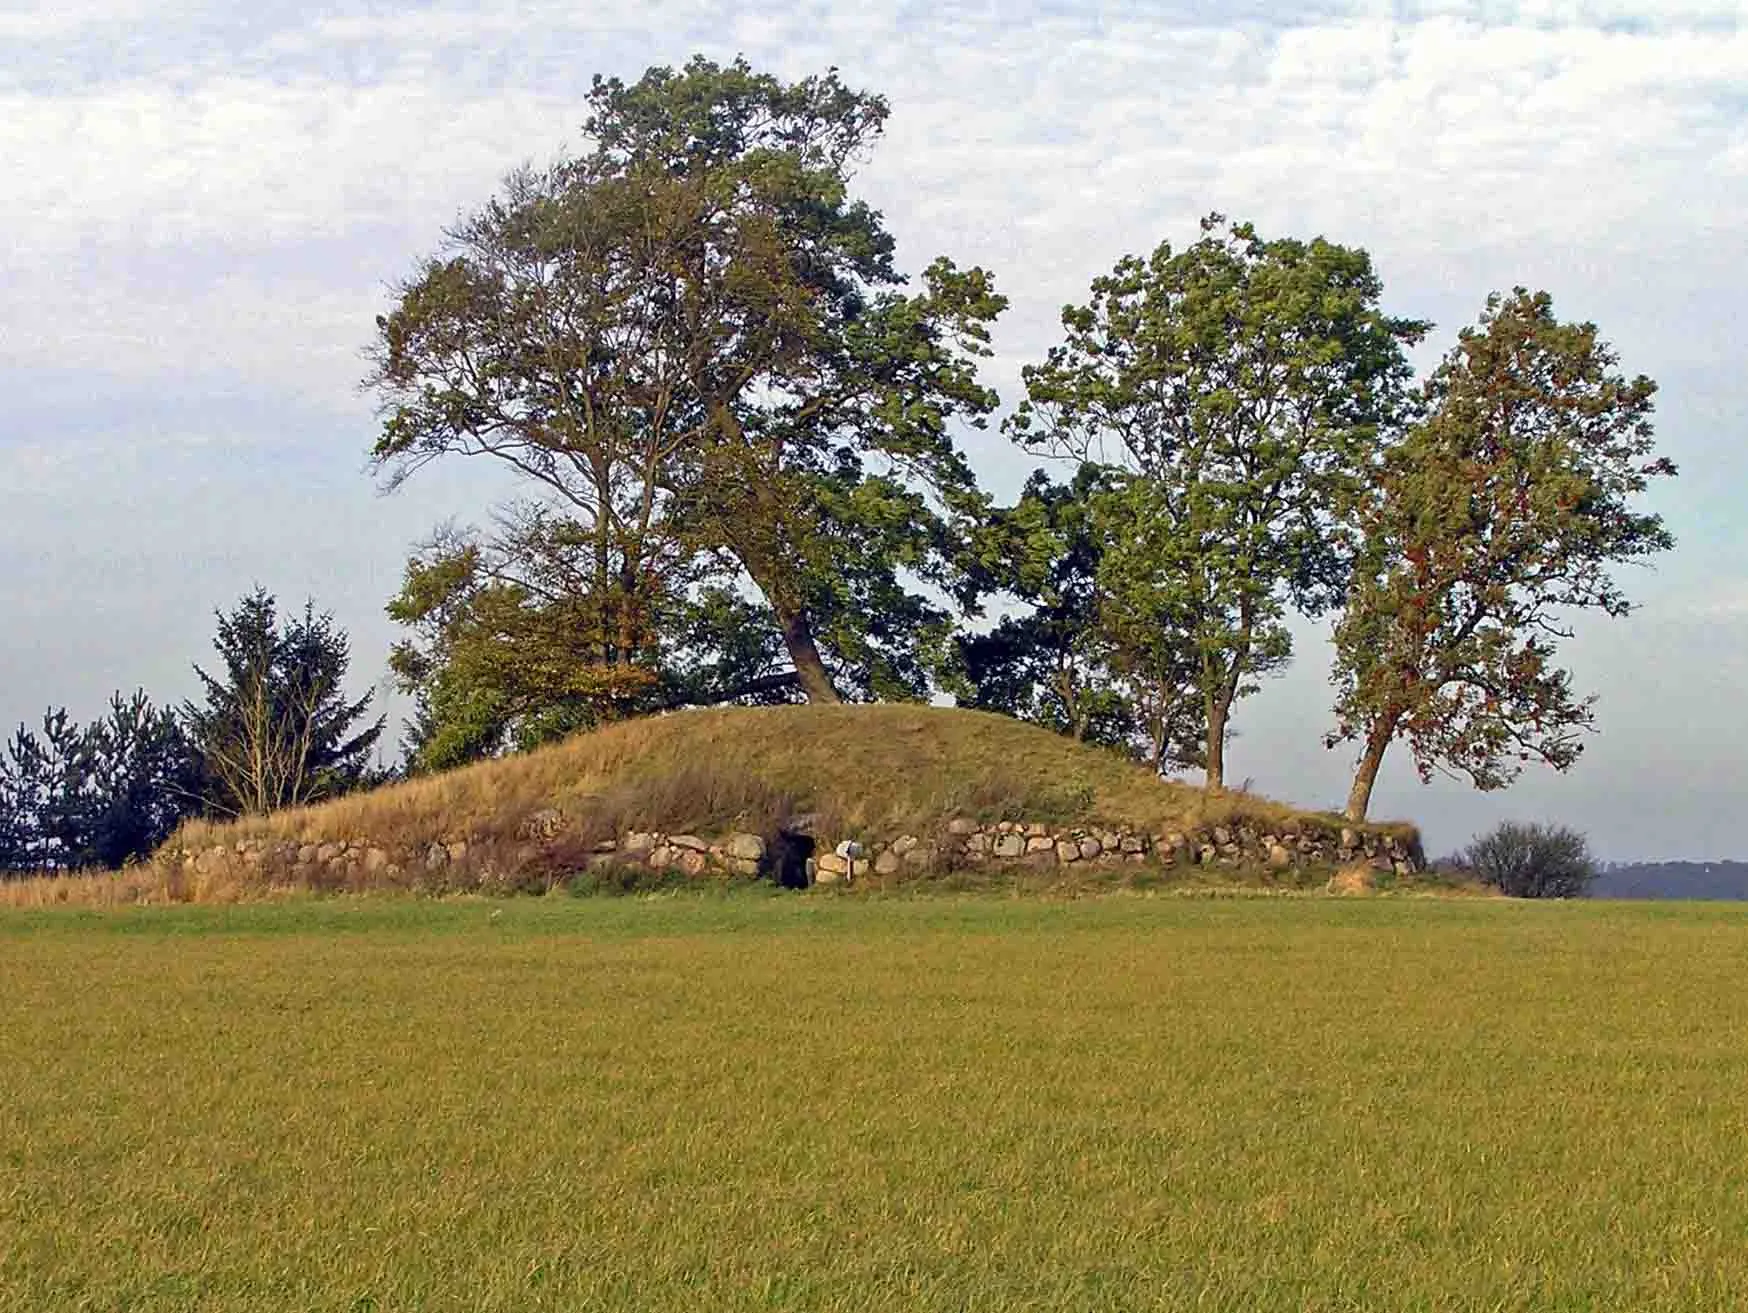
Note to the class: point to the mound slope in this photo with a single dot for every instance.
(842, 772)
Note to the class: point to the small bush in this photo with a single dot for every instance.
(1532, 861)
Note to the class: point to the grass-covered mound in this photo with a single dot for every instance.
(851, 771)
(859, 769)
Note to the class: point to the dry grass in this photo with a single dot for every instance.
(152, 884)
(883, 769)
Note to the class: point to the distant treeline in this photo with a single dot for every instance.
(1705, 880)
(273, 729)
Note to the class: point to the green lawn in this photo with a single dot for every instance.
(743, 1102)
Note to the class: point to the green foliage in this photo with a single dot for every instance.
(1532, 861)
(1090, 658)
(690, 342)
(503, 660)
(1241, 386)
(1498, 515)
(98, 795)
(276, 729)
(505, 653)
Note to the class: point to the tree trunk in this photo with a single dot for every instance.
(1222, 694)
(1359, 798)
(1217, 710)
(810, 670)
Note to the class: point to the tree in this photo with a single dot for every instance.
(143, 781)
(1492, 521)
(1241, 385)
(1049, 665)
(1532, 861)
(1087, 659)
(100, 795)
(44, 784)
(500, 657)
(504, 651)
(690, 344)
(276, 729)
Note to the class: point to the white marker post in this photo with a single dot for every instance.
(849, 850)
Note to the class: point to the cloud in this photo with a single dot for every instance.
(24, 20)
(1059, 143)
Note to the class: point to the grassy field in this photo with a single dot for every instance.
(756, 1102)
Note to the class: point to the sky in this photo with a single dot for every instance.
(208, 204)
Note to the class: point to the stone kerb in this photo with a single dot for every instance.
(462, 863)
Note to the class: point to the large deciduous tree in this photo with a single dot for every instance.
(1490, 525)
(1241, 386)
(1049, 664)
(692, 344)
(276, 728)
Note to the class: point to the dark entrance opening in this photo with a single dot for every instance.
(789, 855)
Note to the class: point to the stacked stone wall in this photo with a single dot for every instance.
(546, 850)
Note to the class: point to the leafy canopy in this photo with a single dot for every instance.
(1089, 658)
(691, 344)
(1240, 386)
(1497, 517)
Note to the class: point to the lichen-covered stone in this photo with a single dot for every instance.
(745, 847)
